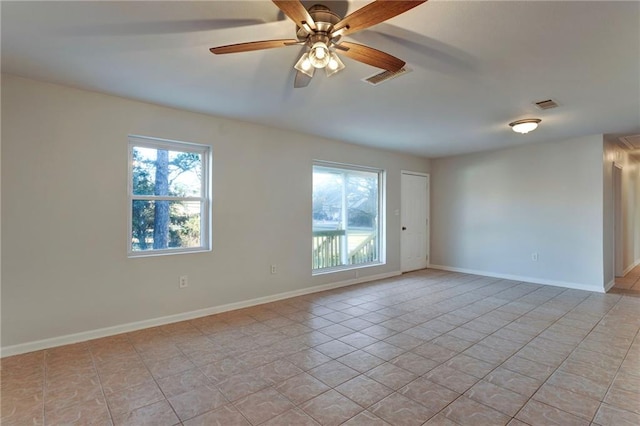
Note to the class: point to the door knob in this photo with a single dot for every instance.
(404, 228)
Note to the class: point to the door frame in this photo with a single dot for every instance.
(618, 243)
(427, 212)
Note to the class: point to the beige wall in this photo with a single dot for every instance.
(491, 211)
(64, 212)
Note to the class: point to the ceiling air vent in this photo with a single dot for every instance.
(548, 104)
(632, 142)
(380, 78)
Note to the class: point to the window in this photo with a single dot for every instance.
(347, 225)
(169, 203)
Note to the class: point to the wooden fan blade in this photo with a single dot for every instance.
(296, 12)
(371, 56)
(253, 45)
(301, 80)
(372, 14)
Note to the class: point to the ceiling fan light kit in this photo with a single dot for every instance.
(525, 126)
(319, 55)
(335, 65)
(304, 65)
(321, 30)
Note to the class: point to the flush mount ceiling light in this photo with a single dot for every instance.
(525, 126)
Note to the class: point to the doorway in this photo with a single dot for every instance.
(414, 221)
(618, 234)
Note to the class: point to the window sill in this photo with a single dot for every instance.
(168, 252)
(345, 268)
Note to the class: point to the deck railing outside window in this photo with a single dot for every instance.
(326, 248)
(329, 252)
(346, 214)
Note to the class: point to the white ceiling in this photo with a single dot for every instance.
(477, 65)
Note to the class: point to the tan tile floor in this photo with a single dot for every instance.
(429, 347)
(629, 284)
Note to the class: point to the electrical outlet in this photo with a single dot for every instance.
(534, 257)
(274, 269)
(183, 282)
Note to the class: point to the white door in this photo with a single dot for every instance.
(415, 221)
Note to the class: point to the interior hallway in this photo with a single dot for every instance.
(629, 284)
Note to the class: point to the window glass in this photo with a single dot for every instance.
(169, 197)
(346, 216)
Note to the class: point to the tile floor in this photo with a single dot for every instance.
(429, 347)
(629, 284)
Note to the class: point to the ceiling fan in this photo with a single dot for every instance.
(320, 31)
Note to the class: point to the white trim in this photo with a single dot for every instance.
(633, 265)
(336, 269)
(533, 280)
(409, 172)
(626, 141)
(205, 151)
(428, 213)
(138, 325)
(618, 249)
(345, 169)
(169, 144)
(609, 285)
(346, 166)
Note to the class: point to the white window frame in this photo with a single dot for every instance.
(204, 199)
(381, 215)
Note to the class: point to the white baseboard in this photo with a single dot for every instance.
(532, 280)
(138, 325)
(609, 285)
(633, 265)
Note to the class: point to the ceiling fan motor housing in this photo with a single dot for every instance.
(324, 19)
